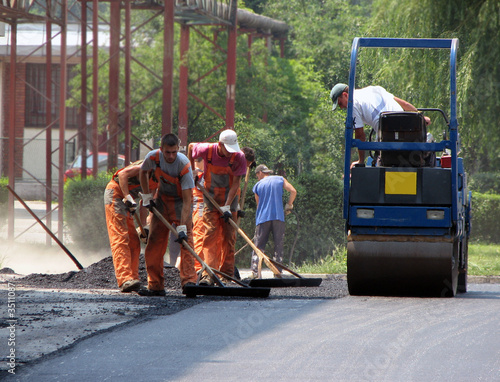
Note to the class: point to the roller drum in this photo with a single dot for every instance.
(402, 268)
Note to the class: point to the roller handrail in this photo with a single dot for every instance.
(452, 143)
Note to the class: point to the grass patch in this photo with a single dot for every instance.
(334, 263)
(484, 260)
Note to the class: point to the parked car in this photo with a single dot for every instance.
(75, 168)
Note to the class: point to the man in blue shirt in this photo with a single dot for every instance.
(270, 216)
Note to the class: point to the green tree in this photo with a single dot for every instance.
(322, 31)
(422, 77)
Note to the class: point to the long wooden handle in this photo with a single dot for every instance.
(243, 194)
(187, 246)
(138, 221)
(245, 186)
(54, 237)
(259, 253)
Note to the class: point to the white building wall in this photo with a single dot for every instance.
(34, 154)
(2, 68)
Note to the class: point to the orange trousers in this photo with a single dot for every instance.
(219, 242)
(198, 232)
(123, 238)
(157, 246)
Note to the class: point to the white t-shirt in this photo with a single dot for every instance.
(369, 102)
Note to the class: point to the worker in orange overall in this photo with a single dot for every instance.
(119, 206)
(224, 164)
(173, 200)
(198, 206)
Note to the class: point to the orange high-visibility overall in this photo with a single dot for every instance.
(220, 237)
(123, 238)
(169, 203)
(198, 226)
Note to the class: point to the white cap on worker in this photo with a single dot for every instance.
(230, 140)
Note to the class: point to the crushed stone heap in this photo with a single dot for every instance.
(100, 275)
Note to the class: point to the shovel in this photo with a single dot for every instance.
(272, 264)
(54, 237)
(141, 227)
(222, 290)
(243, 194)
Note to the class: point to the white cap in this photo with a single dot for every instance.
(230, 140)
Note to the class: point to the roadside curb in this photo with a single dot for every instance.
(483, 279)
(470, 279)
(268, 274)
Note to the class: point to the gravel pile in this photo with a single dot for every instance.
(101, 275)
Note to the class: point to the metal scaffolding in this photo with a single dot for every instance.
(50, 12)
(192, 15)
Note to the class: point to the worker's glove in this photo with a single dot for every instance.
(181, 233)
(143, 238)
(288, 208)
(240, 213)
(147, 201)
(197, 176)
(197, 173)
(226, 213)
(130, 203)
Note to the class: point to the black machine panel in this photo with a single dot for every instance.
(433, 187)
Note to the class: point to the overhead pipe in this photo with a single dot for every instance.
(248, 19)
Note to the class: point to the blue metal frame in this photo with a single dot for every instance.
(452, 143)
(402, 231)
(400, 216)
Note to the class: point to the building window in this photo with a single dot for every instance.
(36, 82)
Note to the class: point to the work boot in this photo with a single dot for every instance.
(130, 286)
(206, 280)
(151, 293)
(236, 273)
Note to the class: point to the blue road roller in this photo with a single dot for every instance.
(407, 210)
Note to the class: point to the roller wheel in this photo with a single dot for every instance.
(397, 268)
(451, 284)
(462, 281)
(462, 275)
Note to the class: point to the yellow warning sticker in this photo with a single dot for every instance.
(400, 183)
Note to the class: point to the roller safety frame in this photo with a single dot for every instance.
(407, 213)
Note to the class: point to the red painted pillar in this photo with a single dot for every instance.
(168, 66)
(249, 55)
(12, 126)
(83, 84)
(282, 47)
(48, 132)
(127, 83)
(268, 51)
(183, 87)
(95, 83)
(231, 76)
(62, 121)
(114, 83)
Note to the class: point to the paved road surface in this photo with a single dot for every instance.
(349, 339)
